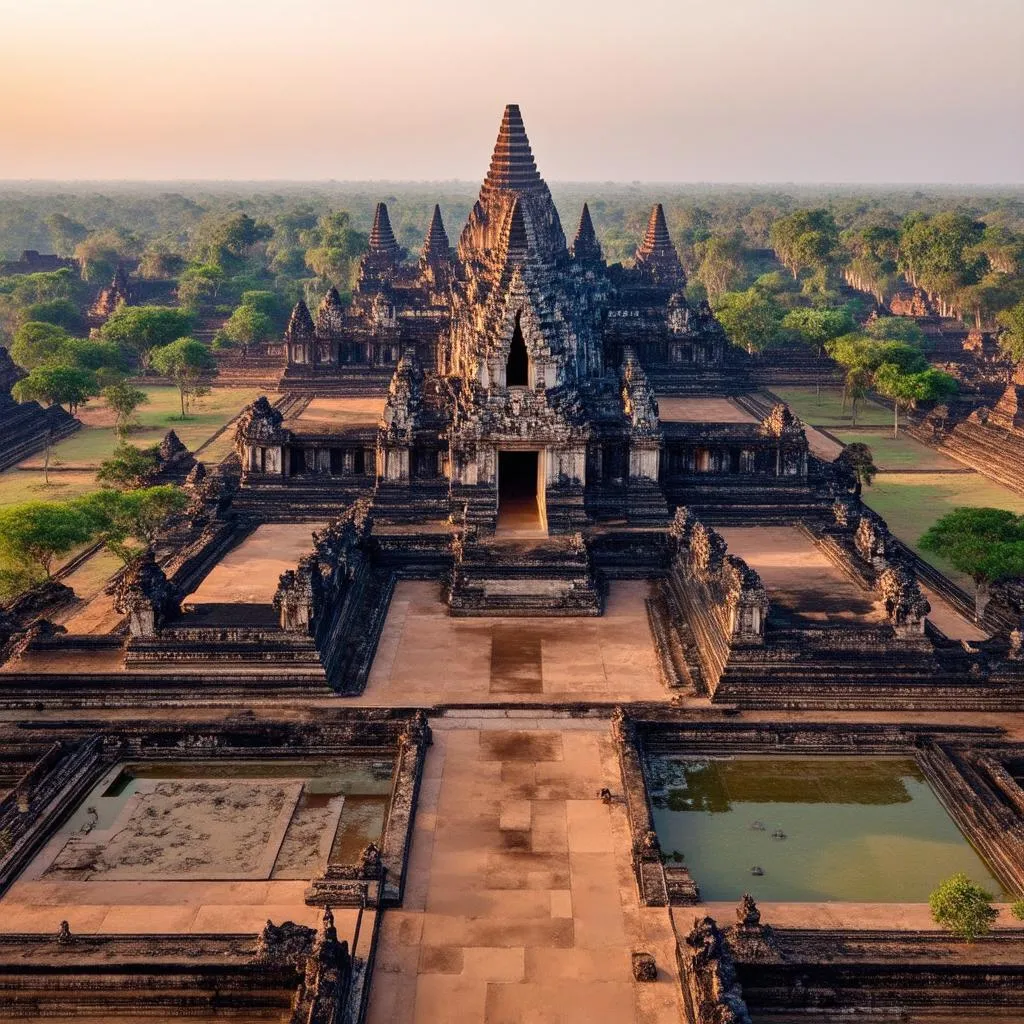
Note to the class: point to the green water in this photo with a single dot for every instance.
(820, 828)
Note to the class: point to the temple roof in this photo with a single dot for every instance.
(513, 178)
(300, 323)
(586, 246)
(512, 164)
(656, 256)
(436, 245)
(382, 238)
(330, 314)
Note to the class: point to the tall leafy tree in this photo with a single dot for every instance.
(124, 398)
(185, 361)
(34, 533)
(140, 329)
(751, 318)
(904, 388)
(1011, 337)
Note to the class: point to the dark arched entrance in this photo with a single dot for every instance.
(517, 369)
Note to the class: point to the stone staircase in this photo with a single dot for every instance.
(543, 577)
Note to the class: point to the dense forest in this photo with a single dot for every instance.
(241, 254)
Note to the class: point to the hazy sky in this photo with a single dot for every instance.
(656, 90)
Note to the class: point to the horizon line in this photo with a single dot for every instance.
(635, 183)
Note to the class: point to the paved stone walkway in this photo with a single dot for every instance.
(520, 904)
(426, 657)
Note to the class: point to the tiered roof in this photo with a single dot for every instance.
(436, 247)
(585, 246)
(512, 163)
(657, 257)
(382, 238)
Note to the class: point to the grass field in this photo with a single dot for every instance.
(898, 453)
(826, 409)
(911, 502)
(74, 460)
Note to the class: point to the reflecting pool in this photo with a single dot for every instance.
(808, 829)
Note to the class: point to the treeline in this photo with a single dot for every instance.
(244, 254)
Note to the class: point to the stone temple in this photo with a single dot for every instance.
(525, 661)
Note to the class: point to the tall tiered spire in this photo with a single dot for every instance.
(377, 268)
(512, 165)
(436, 247)
(382, 238)
(585, 247)
(656, 257)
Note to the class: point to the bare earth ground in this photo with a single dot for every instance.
(331, 413)
(799, 577)
(426, 657)
(702, 410)
(520, 904)
(249, 573)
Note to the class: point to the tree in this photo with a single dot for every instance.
(860, 460)
(65, 232)
(200, 283)
(124, 398)
(806, 240)
(140, 329)
(185, 361)
(985, 543)
(129, 466)
(905, 389)
(751, 319)
(57, 385)
(159, 265)
(333, 248)
(247, 326)
(896, 328)
(36, 342)
(124, 517)
(1011, 337)
(34, 533)
(102, 252)
(1017, 909)
(62, 312)
(963, 907)
(817, 327)
(720, 262)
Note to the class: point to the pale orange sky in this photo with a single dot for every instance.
(655, 90)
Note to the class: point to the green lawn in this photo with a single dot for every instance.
(911, 502)
(826, 409)
(897, 453)
(75, 459)
(96, 440)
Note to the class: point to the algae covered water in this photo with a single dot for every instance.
(809, 829)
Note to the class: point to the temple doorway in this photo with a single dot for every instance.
(517, 369)
(520, 500)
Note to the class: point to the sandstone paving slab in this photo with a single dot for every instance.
(426, 657)
(516, 916)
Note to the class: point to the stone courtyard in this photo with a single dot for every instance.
(370, 730)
